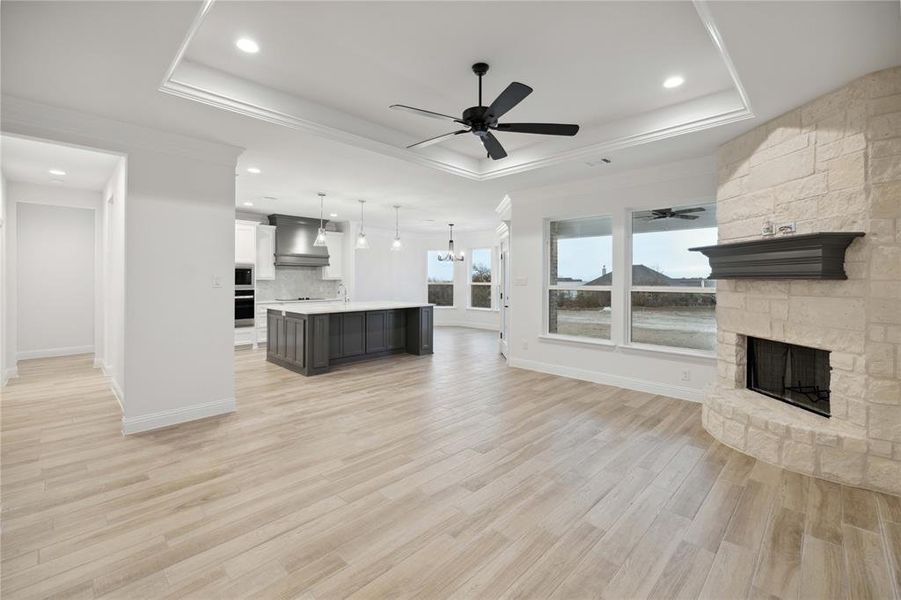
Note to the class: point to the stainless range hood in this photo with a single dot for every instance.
(294, 237)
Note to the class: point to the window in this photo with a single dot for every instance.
(440, 280)
(580, 252)
(672, 304)
(480, 285)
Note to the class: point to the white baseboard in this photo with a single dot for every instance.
(117, 393)
(10, 373)
(629, 383)
(468, 325)
(49, 352)
(175, 416)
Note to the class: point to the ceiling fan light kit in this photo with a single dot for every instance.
(482, 121)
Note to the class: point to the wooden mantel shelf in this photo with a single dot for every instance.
(808, 256)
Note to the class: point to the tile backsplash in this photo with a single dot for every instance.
(296, 282)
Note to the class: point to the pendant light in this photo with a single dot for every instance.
(362, 242)
(320, 236)
(396, 244)
(449, 255)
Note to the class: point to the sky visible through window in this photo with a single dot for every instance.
(439, 271)
(667, 251)
(664, 251)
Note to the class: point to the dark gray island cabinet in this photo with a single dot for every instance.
(311, 338)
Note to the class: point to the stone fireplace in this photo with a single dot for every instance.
(833, 165)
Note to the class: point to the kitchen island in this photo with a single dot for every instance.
(310, 338)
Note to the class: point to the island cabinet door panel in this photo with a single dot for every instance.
(426, 328)
(294, 340)
(318, 343)
(353, 333)
(376, 331)
(397, 331)
(276, 333)
(335, 336)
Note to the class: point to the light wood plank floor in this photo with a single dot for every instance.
(427, 477)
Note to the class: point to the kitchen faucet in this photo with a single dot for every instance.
(342, 290)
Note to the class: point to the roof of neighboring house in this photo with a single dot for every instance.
(643, 275)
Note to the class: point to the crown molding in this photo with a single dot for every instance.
(42, 121)
(178, 86)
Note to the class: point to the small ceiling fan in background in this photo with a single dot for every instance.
(669, 213)
(482, 120)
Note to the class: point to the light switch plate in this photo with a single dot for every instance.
(217, 281)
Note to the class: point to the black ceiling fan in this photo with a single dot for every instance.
(482, 120)
(669, 213)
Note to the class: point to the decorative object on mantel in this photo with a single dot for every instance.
(396, 244)
(320, 235)
(449, 255)
(362, 242)
(807, 256)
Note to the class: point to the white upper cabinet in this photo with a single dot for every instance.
(335, 243)
(265, 252)
(245, 242)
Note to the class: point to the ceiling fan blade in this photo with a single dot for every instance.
(436, 139)
(539, 128)
(689, 217)
(514, 94)
(425, 113)
(493, 147)
(688, 210)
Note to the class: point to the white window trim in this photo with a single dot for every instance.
(546, 288)
(490, 284)
(451, 283)
(620, 293)
(627, 293)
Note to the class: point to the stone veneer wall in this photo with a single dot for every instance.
(831, 165)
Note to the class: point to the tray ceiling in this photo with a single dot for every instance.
(334, 67)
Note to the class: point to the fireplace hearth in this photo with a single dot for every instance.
(794, 374)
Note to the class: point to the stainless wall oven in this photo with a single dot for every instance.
(244, 296)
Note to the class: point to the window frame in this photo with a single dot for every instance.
(547, 287)
(491, 285)
(628, 235)
(451, 283)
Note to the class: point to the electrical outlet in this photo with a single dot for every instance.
(525, 345)
(686, 375)
(217, 281)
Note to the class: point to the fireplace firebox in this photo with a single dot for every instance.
(794, 374)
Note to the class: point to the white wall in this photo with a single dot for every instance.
(110, 355)
(380, 273)
(654, 371)
(56, 280)
(461, 315)
(18, 193)
(178, 236)
(4, 225)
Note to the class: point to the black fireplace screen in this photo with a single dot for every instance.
(794, 374)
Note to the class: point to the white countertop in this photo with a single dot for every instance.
(322, 308)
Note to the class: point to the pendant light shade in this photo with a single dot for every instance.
(450, 255)
(396, 244)
(362, 242)
(320, 235)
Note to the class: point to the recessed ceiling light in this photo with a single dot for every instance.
(253, 170)
(58, 172)
(673, 82)
(247, 45)
(248, 204)
(333, 215)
